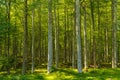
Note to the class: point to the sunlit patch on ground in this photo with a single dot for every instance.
(65, 74)
(41, 70)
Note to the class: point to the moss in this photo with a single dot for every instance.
(66, 74)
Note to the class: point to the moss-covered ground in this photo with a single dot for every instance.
(64, 74)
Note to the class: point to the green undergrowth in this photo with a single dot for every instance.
(65, 74)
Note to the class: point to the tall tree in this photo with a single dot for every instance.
(25, 43)
(78, 37)
(56, 35)
(73, 39)
(85, 40)
(40, 36)
(33, 39)
(8, 9)
(114, 38)
(98, 47)
(65, 34)
(93, 29)
(50, 46)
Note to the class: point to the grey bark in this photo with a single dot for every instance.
(50, 46)
(79, 63)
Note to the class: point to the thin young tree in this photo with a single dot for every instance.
(33, 39)
(25, 51)
(50, 46)
(85, 40)
(8, 8)
(93, 29)
(56, 35)
(98, 43)
(78, 37)
(114, 38)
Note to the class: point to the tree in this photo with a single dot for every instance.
(56, 35)
(50, 46)
(25, 43)
(33, 40)
(8, 9)
(85, 40)
(114, 38)
(93, 29)
(78, 36)
(98, 10)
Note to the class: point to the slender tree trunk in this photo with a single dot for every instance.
(93, 29)
(73, 42)
(106, 44)
(50, 46)
(58, 24)
(16, 40)
(33, 40)
(85, 41)
(114, 38)
(65, 36)
(40, 36)
(56, 36)
(25, 42)
(78, 36)
(106, 34)
(8, 6)
(99, 45)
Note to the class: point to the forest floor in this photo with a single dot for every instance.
(65, 74)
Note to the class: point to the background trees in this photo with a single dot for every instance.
(26, 25)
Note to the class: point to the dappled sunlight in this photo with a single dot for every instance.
(50, 77)
(41, 70)
(65, 74)
(1, 73)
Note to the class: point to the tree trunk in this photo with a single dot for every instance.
(40, 36)
(65, 36)
(78, 36)
(114, 38)
(50, 46)
(8, 8)
(56, 36)
(33, 41)
(99, 45)
(85, 41)
(93, 29)
(25, 42)
(73, 41)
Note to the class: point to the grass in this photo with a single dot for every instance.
(65, 74)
